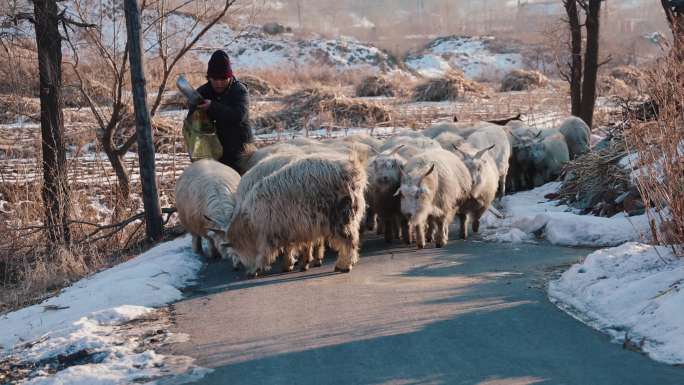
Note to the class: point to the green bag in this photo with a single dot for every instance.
(200, 137)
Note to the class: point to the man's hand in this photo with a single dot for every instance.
(204, 105)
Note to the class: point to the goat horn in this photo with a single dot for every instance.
(481, 152)
(432, 168)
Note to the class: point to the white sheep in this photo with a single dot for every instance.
(313, 197)
(485, 178)
(577, 135)
(206, 189)
(384, 178)
(435, 184)
(487, 136)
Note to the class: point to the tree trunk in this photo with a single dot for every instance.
(55, 189)
(591, 64)
(576, 56)
(148, 180)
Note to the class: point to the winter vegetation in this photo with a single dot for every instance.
(426, 130)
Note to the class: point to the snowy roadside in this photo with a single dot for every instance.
(528, 215)
(90, 324)
(633, 293)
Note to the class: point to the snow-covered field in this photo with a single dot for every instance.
(632, 292)
(472, 55)
(88, 319)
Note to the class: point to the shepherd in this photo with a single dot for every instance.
(226, 105)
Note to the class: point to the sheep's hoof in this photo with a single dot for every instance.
(439, 245)
(304, 268)
(343, 269)
(318, 263)
(252, 275)
(420, 246)
(287, 269)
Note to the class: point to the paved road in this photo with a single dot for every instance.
(471, 313)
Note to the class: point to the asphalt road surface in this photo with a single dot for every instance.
(471, 313)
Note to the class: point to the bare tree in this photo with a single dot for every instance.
(583, 68)
(674, 12)
(55, 190)
(113, 123)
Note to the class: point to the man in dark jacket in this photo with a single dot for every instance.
(226, 102)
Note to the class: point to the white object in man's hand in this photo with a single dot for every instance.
(204, 105)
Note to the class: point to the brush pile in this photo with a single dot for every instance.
(598, 183)
(452, 86)
(315, 108)
(376, 86)
(522, 80)
(258, 86)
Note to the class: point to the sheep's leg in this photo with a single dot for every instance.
(347, 255)
(406, 233)
(380, 227)
(464, 225)
(197, 245)
(442, 232)
(288, 259)
(319, 252)
(502, 187)
(476, 219)
(389, 229)
(213, 250)
(307, 257)
(371, 219)
(431, 227)
(420, 235)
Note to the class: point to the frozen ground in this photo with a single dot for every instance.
(91, 320)
(530, 216)
(633, 293)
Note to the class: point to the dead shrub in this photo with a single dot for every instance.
(660, 148)
(452, 86)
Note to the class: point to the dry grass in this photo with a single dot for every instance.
(258, 86)
(376, 85)
(522, 80)
(660, 146)
(452, 86)
(314, 108)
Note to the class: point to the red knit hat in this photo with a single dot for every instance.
(219, 66)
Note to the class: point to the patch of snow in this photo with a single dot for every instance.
(530, 213)
(633, 290)
(83, 317)
(468, 54)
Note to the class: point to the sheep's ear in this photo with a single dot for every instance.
(479, 154)
(397, 193)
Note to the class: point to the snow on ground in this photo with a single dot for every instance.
(472, 55)
(633, 291)
(529, 215)
(85, 317)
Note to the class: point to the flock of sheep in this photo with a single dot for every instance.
(297, 197)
